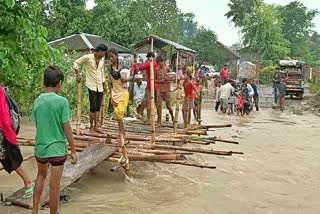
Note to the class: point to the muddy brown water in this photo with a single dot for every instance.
(279, 173)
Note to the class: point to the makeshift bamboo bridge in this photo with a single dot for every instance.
(168, 147)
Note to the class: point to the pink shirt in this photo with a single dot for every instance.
(224, 73)
(5, 119)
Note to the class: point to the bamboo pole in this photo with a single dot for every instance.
(200, 108)
(188, 149)
(152, 96)
(125, 155)
(176, 117)
(79, 107)
(152, 157)
(185, 163)
(103, 109)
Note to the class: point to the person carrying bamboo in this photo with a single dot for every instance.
(95, 81)
(164, 93)
(146, 103)
(119, 97)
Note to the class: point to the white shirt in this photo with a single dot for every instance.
(226, 91)
(94, 74)
(250, 89)
(140, 91)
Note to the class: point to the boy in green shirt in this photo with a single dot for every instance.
(51, 113)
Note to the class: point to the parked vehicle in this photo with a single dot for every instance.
(294, 73)
(211, 72)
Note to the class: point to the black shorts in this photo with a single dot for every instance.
(10, 154)
(54, 161)
(95, 99)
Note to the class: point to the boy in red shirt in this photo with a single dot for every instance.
(147, 96)
(197, 101)
(188, 103)
(224, 74)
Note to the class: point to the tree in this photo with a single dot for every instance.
(236, 46)
(262, 31)
(109, 22)
(315, 47)
(24, 51)
(63, 18)
(239, 9)
(297, 28)
(189, 27)
(205, 43)
(163, 18)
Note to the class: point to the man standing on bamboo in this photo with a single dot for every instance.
(164, 93)
(146, 103)
(95, 81)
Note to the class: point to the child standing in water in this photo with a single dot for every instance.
(51, 114)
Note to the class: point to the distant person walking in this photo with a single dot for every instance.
(224, 74)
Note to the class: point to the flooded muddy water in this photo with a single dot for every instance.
(278, 173)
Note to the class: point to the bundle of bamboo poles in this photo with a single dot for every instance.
(166, 147)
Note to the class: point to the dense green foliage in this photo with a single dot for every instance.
(276, 31)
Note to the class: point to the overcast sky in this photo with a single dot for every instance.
(210, 13)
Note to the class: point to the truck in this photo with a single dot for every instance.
(294, 77)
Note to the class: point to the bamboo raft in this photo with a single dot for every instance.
(168, 148)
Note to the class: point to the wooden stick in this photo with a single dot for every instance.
(188, 149)
(225, 141)
(200, 108)
(153, 157)
(103, 109)
(153, 128)
(79, 107)
(216, 126)
(188, 164)
(125, 154)
(162, 152)
(176, 117)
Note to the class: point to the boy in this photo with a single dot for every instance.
(146, 102)
(188, 103)
(197, 102)
(51, 114)
(164, 93)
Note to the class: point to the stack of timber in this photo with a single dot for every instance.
(168, 148)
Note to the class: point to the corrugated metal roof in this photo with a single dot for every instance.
(84, 41)
(159, 42)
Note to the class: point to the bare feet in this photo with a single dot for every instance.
(146, 120)
(158, 125)
(91, 130)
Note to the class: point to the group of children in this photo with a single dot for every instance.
(231, 101)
